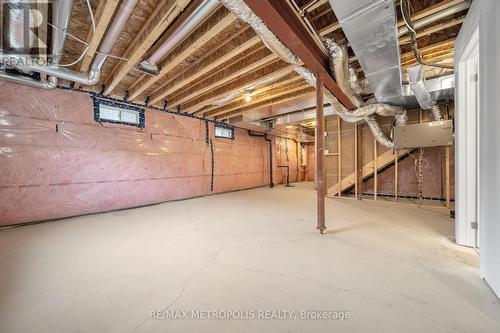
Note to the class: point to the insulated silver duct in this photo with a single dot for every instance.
(51, 82)
(185, 28)
(366, 112)
(371, 29)
(417, 85)
(244, 13)
(339, 65)
(94, 74)
(358, 86)
(62, 15)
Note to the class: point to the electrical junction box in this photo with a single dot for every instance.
(432, 134)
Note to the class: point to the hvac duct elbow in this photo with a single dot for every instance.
(244, 13)
(424, 98)
(51, 83)
(339, 66)
(94, 75)
(378, 133)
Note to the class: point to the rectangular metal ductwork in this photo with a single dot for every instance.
(371, 28)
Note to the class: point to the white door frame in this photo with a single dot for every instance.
(467, 142)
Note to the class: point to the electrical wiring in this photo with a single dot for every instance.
(404, 4)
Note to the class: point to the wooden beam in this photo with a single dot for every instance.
(432, 29)
(165, 13)
(268, 102)
(243, 104)
(42, 33)
(329, 28)
(232, 72)
(440, 6)
(274, 69)
(285, 24)
(107, 10)
(277, 100)
(184, 81)
(433, 57)
(318, 4)
(239, 100)
(189, 48)
(320, 153)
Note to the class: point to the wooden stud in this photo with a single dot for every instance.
(339, 144)
(447, 169)
(396, 178)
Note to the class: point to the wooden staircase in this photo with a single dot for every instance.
(383, 161)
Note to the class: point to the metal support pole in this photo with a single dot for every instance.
(359, 161)
(320, 153)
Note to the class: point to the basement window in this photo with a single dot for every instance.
(108, 111)
(223, 131)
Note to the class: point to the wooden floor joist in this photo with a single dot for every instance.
(189, 48)
(160, 20)
(106, 10)
(184, 81)
(281, 99)
(276, 68)
(258, 100)
(433, 29)
(273, 87)
(231, 73)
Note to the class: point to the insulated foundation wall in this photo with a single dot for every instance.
(56, 161)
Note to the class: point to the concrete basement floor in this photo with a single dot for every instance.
(394, 268)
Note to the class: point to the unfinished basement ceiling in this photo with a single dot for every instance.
(221, 68)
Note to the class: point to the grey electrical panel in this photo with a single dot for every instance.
(432, 134)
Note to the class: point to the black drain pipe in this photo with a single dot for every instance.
(271, 184)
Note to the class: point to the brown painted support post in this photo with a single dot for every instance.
(356, 189)
(320, 153)
(375, 169)
(359, 164)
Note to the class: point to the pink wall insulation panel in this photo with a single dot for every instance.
(56, 161)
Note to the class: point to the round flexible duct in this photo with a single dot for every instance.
(340, 65)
